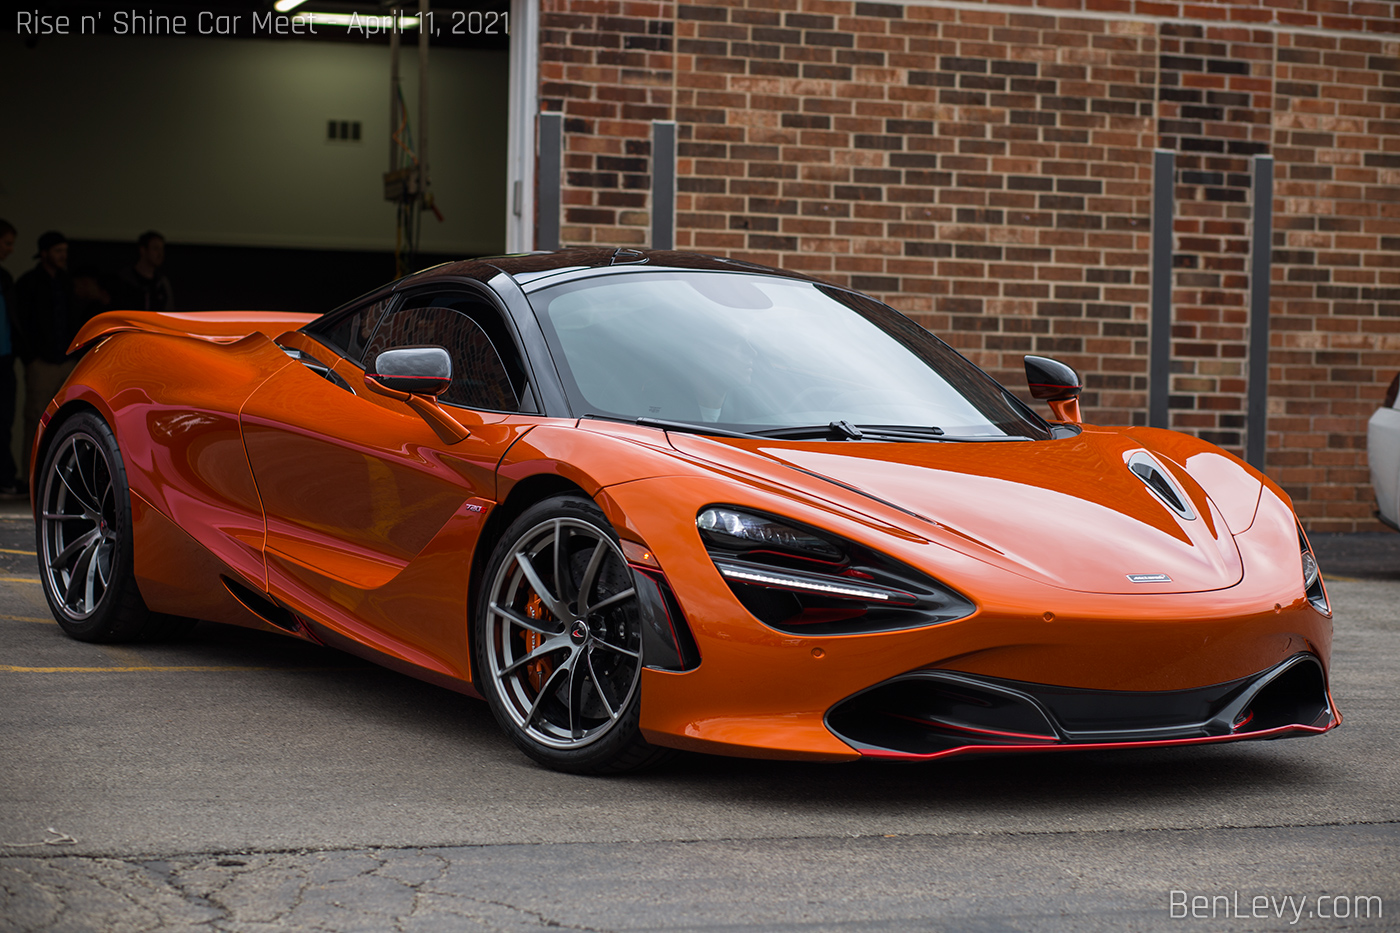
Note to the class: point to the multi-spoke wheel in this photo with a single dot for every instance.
(559, 643)
(84, 537)
(79, 526)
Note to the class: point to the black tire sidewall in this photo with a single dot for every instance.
(624, 740)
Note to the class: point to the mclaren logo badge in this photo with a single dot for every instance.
(1149, 578)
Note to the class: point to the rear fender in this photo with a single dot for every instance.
(173, 404)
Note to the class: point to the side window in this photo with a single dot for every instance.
(351, 332)
(486, 373)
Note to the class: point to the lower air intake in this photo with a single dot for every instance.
(931, 711)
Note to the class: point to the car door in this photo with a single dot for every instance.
(372, 512)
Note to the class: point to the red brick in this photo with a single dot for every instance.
(900, 210)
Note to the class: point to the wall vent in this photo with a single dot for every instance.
(342, 131)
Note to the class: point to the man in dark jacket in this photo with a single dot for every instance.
(47, 321)
(8, 473)
(143, 286)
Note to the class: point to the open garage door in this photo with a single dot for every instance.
(255, 145)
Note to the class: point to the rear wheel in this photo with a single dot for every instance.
(84, 538)
(559, 642)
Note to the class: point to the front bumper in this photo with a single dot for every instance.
(758, 692)
(936, 713)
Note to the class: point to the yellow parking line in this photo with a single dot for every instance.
(6, 550)
(49, 620)
(197, 669)
(19, 579)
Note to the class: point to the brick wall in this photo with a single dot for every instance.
(1214, 103)
(986, 168)
(607, 66)
(1336, 294)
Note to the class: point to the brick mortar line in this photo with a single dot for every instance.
(1107, 16)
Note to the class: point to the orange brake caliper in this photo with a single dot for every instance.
(537, 671)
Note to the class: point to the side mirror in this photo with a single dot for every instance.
(1056, 384)
(417, 376)
(416, 370)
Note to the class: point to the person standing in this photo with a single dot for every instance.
(47, 319)
(143, 286)
(91, 293)
(9, 474)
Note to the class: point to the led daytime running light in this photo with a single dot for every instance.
(747, 574)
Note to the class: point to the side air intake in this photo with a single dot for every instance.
(260, 606)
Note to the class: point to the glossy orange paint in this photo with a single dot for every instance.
(372, 520)
(1066, 410)
(213, 326)
(758, 689)
(1062, 510)
(362, 515)
(174, 404)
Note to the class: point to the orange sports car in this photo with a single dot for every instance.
(651, 500)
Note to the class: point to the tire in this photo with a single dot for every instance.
(563, 680)
(84, 541)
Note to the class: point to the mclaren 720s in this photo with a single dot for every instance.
(640, 501)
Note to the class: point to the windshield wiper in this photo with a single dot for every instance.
(978, 438)
(687, 427)
(917, 432)
(844, 430)
(838, 430)
(664, 425)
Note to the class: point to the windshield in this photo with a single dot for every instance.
(751, 353)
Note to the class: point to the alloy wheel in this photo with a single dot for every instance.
(563, 633)
(78, 522)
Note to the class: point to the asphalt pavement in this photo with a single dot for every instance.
(241, 781)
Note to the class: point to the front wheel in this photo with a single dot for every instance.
(84, 538)
(558, 641)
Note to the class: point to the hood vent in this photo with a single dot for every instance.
(1148, 470)
(624, 256)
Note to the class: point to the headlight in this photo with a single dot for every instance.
(1312, 577)
(1309, 569)
(804, 581)
(730, 528)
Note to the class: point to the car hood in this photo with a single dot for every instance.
(1065, 512)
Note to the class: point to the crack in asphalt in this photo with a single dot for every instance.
(227, 897)
(694, 840)
(606, 887)
(542, 919)
(167, 875)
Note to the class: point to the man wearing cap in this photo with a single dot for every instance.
(8, 474)
(47, 321)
